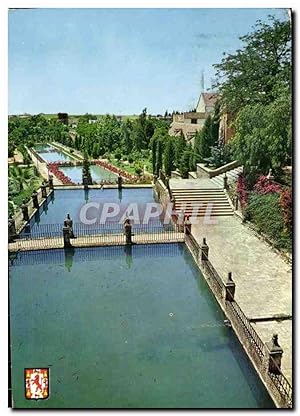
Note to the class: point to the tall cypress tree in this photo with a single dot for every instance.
(159, 162)
(154, 150)
(169, 156)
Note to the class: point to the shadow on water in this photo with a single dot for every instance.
(120, 194)
(69, 255)
(250, 375)
(128, 255)
(231, 342)
(86, 195)
(37, 217)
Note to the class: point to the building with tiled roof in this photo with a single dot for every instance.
(206, 102)
(189, 123)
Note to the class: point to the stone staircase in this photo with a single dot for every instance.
(200, 202)
(232, 176)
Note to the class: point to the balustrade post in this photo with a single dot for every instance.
(25, 213)
(204, 249)
(67, 236)
(273, 355)
(236, 203)
(154, 179)
(128, 231)
(225, 181)
(44, 190)
(120, 182)
(229, 288)
(187, 225)
(35, 200)
(51, 186)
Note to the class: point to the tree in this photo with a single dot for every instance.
(86, 170)
(179, 149)
(126, 133)
(154, 150)
(263, 138)
(159, 163)
(20, 177)
(169, 156)
(207, 138)
(63, 117)
(184, 166)
(253, 74)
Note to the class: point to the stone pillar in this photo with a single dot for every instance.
(25, 213)
(229, 288)
(187, 225)
(35, 200)
(167, 183)
(225, 181)
(128, 233)
(236, 203)
(12, 233)
(273, 355)
(204, 249)
(50, 182)
(66, 235)
(85, 182)
(44, 190)
(120, 182)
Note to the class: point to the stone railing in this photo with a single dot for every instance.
(75, 154)
(33, 152)
(265, 357)
(205, 172)
(23, 215)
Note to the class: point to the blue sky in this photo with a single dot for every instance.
(118, 60)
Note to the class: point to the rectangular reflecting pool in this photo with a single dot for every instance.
(72, 201)
(51, 154)
(125, 328)
(98, 174)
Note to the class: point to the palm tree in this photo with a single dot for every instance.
(21, 176)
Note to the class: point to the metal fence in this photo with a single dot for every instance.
(51, 235)
(282, 385)
(276, 381)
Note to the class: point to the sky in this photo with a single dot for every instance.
(118, 60)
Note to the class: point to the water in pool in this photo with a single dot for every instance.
(97, 172)
(121, 328)
(72, 201)
(56, 156)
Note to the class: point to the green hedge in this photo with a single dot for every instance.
(265, 212)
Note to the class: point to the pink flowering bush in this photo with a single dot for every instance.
(241, 189)
(264, 186)
(54, 168)
(286, 204)
(114, 169)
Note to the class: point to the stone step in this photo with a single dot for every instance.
(176, 190)
(202, 197)
(190, 206)
(191, 194)
(211, 214)
(199, 202)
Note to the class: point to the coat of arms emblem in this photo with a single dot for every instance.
(36, 383)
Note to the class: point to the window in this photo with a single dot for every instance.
(194, 121)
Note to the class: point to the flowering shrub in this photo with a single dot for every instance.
(114, 169)
(54, 168)
(264, 186)
(241, 189)
(286, 203)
